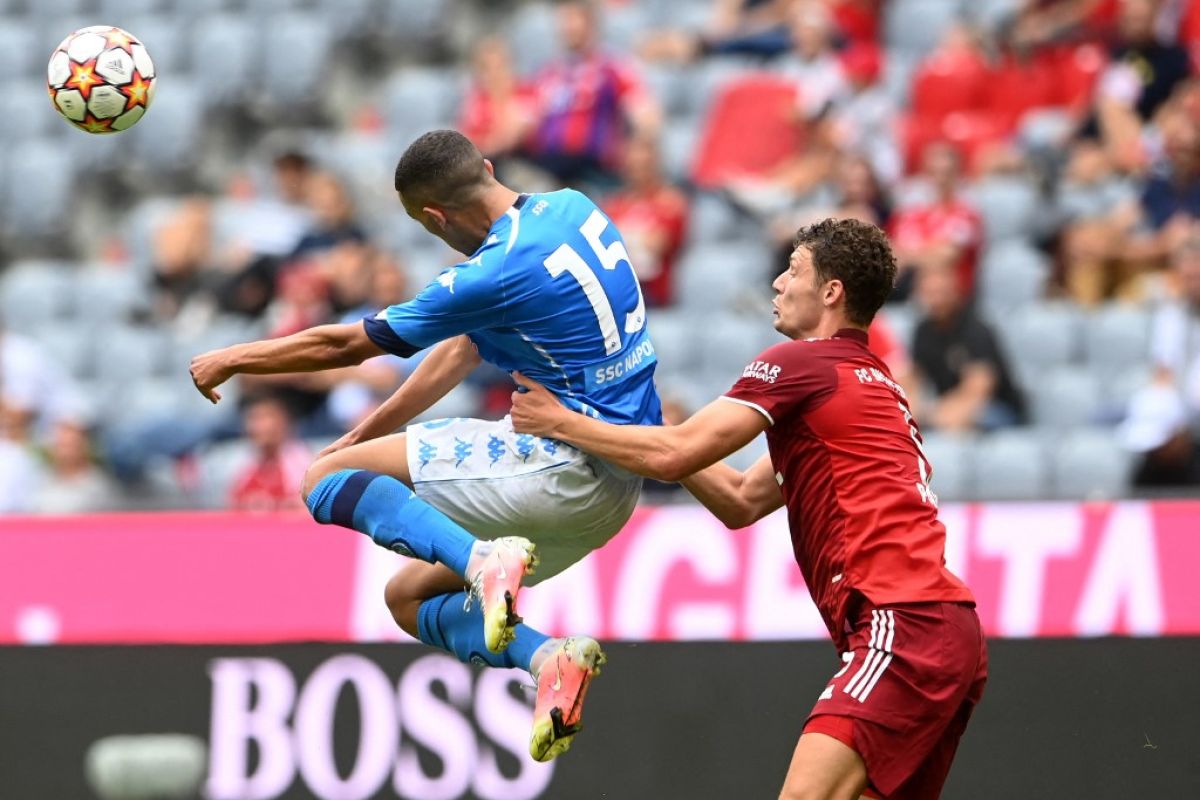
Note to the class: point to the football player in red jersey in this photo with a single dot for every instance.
(846, 459)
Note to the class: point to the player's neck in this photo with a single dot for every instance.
(497, 200)
(828, 327)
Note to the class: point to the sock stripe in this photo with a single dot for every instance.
(346, 500)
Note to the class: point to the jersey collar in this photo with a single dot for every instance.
(856, 334)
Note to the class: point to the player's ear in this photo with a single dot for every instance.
(833, 290)
(490, 167)
(437, 215)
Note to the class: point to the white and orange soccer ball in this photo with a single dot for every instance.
(101, 79)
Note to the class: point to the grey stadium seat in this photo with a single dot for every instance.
(37, 190)
(675, 337)
(224, 46)
(1065, 397)
(125, 352)
(1010, 465)
(168, 137)
(1041, 337)
(218, 466)
(35, 293)
(713, 276)
(69, 345)
(727, 342)
(1012, 275)
(104, 295)
(296, 51)
(163, 35)
(1009, 207)
(26, 100)
(420, 99)
(21, 48)
(949, 455)
(533, 37)
(917, 26)
(1090, 465)
(113, 10)
(1117, 338)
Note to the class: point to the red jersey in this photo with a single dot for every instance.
(661, 214)
(848, 456)
(956, 222)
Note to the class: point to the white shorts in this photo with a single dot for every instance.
(496, 482)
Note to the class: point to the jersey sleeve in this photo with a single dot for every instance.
(783, 380)
(462, 299)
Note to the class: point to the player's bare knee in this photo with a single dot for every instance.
(402, 602)
(313, 475)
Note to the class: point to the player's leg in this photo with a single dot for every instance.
(365, 487)
(430, 602)
(824, 768)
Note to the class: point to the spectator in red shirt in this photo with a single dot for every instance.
(588, 102)
(652, 215)
(946, 230)
(499, 107)
(270, 479)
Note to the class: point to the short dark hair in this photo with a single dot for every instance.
(857, 254)
(440, 166)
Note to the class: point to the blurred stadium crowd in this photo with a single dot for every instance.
(1037, 165)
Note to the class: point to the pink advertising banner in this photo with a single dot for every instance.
(675, 573)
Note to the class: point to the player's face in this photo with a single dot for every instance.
(799, 297)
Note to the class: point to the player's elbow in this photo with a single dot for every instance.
(669, 466)
(737, 517)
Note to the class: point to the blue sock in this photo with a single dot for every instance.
(442, 622)
(392, 515)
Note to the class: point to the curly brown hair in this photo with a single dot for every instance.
(857, 254)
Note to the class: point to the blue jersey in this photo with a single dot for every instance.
(551, 293)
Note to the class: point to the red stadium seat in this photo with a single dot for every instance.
(947, 83)
(751, 128)
(970, 131)
(1015, 87)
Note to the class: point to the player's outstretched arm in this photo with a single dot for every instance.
(444, 368)
(737, 498)
(664, 453)
(322, 347)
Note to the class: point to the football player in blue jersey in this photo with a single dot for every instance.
(546, 289)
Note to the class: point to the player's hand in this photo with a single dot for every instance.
(209, 370)
(349, 438)
(535, 410)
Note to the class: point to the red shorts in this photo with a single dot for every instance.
(906, 689)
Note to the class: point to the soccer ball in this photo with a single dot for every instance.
(101, 79)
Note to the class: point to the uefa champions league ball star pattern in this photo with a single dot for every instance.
(101, 79)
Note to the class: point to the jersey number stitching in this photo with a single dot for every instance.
(566, 259)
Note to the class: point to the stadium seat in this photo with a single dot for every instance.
(126, 352)
(673, 86)
(348, 18)
(1010, 465)
(1119, 390)
(1089, 464)
(224, 49)
(26, 100)
(624, 25)
(296, 51)
(902, 319)
(35, 293)
(1010, 208)
(1042, 337)
(715, 275)
(167, 140)
(727, 343)
(713, 218)
(675, 337)
(917, 26)
(114, 11)
(750, 128)
(37, 191)
(218, 466)
(532, 37)
(417, 21)
(1064, 397)
(676, 146)
(1016, 87)
(69, 345)
(163, 35)
(418, 100)
(1116, 339)
(948, 83)
(106, 295)
(1012, 276)
(949, 455)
